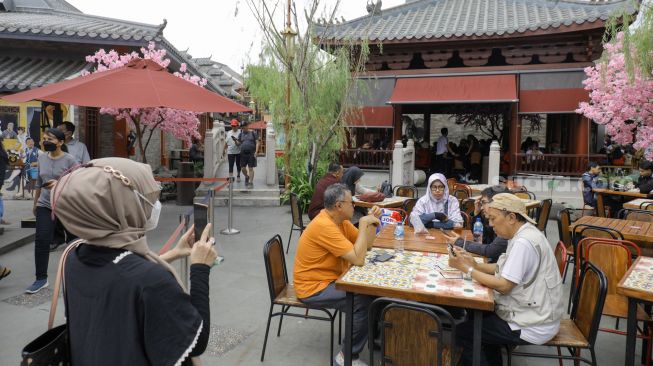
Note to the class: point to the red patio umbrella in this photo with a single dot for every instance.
(139, 84)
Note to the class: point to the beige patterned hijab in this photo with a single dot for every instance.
(97, 203)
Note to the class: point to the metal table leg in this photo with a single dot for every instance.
(478, 328)
(349, 327)
(631, 333)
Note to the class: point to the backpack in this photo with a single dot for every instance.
(386, 188)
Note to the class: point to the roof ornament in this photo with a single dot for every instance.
(372, 8)
(159, 31)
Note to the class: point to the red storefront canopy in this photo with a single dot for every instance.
(374, 117)
(551, 100)
(455, 89)
(139, 84)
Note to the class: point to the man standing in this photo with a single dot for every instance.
(645, 182)
(249, 146)
(526, 283)
(590, 181)
(327, 247)
(441, 149)
(9, 133)
(333, 175)
(76, 148)
(232, 148)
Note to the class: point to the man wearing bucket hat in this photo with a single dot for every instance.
(526, 283)
(233, 149)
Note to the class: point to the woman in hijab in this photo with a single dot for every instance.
(437, 208)
(124, 304)
(52, 165)
(351, 179)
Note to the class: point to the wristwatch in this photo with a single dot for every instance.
(469, 272)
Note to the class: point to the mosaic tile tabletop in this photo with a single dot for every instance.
(416, 271)
(641, 277)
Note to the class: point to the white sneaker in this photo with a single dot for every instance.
(340, 360)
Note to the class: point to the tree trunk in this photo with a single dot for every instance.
(139, 139)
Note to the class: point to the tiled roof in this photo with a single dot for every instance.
(58, 19)
(219, 74)
(450, 19)
(18, 73)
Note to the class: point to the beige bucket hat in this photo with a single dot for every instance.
(511, 203)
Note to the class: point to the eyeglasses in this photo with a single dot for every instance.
(485, 202)
(437, 188)
(350, 202)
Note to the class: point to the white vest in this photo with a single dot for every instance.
(538, 301)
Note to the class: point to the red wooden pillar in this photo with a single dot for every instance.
(396, 124)
(514, 140)
(582, 139)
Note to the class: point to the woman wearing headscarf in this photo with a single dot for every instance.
(52, 165)
(124, 304)
(351, 179)
(437, 208)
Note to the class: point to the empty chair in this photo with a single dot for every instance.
(543, 214)
(461, 191)
(408, 207)
(451, 182)
(297, 223)
(282, 293)
(564, 221)
(560, 254)
(405, 322)
(467, 206)
(637, 215)
(406, 191)
(580, 330)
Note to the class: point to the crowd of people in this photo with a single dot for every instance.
(462, 160)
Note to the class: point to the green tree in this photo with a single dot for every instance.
(319, 80)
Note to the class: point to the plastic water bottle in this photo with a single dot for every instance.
(399, 237)
(477, 230)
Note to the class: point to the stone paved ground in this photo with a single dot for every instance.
(239, 299)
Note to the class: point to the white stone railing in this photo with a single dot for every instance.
(403, 163)
(270, 156)
(214, 152)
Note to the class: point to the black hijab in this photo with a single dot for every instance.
(350, 177)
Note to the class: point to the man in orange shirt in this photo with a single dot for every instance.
(326, 249)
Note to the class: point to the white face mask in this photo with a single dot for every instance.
(153, 221)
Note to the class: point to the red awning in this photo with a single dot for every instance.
(551, 100)
(375, 117)
(260, 125)
(455, 89)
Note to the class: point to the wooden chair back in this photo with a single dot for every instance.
(467, 206)
(588, 301)
(560, 254)
(275, 266)
(413, 333)
(613, 258)
(461, 191)
(646, 206)
(296, 211)
(451, 183)
(585, 231)
(408, 206)
(543, 214)
(523, 193)
(581, 250)
(406, 191)
(564, 221)
(636, 215)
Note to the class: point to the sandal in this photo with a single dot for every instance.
(4, 272)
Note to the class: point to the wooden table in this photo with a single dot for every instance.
(637, 231)
(390, 202)
(637, 203)
(434, 242)
(600, 192)
(415, 276)
(637, 285)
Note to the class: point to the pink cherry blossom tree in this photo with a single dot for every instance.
(181, 124)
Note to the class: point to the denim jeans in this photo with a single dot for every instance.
(44, 235)
(336, 299)
(2, 207)
(495, 333)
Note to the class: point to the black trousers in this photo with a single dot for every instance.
(494, 335)
(234, 158)
(45, 227)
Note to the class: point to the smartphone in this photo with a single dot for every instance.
(383, 257)
(201, 216)
(234, 138)
(451, 249)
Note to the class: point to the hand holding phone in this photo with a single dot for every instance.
(201, 216)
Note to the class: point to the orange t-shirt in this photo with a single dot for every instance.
(317, 261)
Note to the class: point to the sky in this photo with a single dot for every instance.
(226, 30)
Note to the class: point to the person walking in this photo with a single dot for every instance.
(75, 147)
(249, 146)
(125, 305)
(54, 163)
(232, 147)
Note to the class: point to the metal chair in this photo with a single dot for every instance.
(579, 332)
(402, 322)
(637, 215)
(282, 293)
(406, 191)
(297, 223)
(564, 221)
